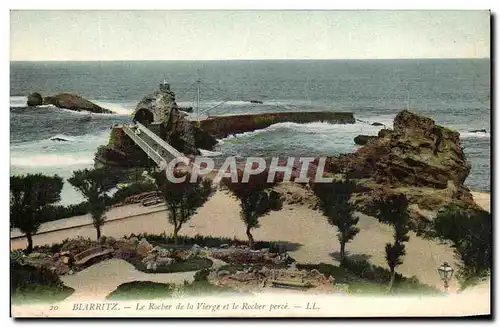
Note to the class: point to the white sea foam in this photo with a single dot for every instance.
(78, 150)
(318, 128)
(207, 153)
(84, 112)
(465, 135)
(122, 109)
(18, 101)
(91, 139)
(62, 136)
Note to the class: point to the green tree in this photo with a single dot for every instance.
(469, 230)
(182, 199)
(336, 206)
(29, 195)
(393, 210)
(93, 185)
(256, 200)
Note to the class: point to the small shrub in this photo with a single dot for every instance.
(56, 212)
(139, 290)
(201, 275)
(208, 241)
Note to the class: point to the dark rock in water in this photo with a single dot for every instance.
(74, 102)
(59, 139)
(186, 109)
(35, 99)
(363, 139)
(479, 131)
(256, 101)
(377, 124)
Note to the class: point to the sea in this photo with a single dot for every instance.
(455, 93)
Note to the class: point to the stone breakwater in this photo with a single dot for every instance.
(223, 126)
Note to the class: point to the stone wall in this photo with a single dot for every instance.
(223, 126)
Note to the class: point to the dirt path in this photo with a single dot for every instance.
(97, 281)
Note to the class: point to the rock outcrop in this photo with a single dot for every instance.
(363, 139)
(66, 101)
(175, 127)
(74, 102)
(160, 113)
(423, 160)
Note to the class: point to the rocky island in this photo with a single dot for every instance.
(161, 114)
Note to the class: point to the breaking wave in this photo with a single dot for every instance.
(50, 160)
(18, 101)
(319, 128)
(466, 135)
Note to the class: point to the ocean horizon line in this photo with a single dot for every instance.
(246, 60)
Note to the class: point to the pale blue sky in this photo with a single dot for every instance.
(225, 35)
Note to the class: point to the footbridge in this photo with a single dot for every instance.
(155, 148)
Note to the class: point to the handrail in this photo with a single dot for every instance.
(158, 140)
(150, 152)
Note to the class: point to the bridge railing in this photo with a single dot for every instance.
(160, 142)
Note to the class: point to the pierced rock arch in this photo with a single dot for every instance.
(144, 116)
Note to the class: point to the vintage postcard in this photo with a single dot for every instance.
(250, 163)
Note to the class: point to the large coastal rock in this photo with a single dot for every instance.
(66, 101)
(175, 127)
(161, 114)
(423, 160)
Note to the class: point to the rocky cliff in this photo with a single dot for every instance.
(423, 160)
(66, 101)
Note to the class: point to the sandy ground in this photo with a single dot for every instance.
(97, 281)
(311, 238)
